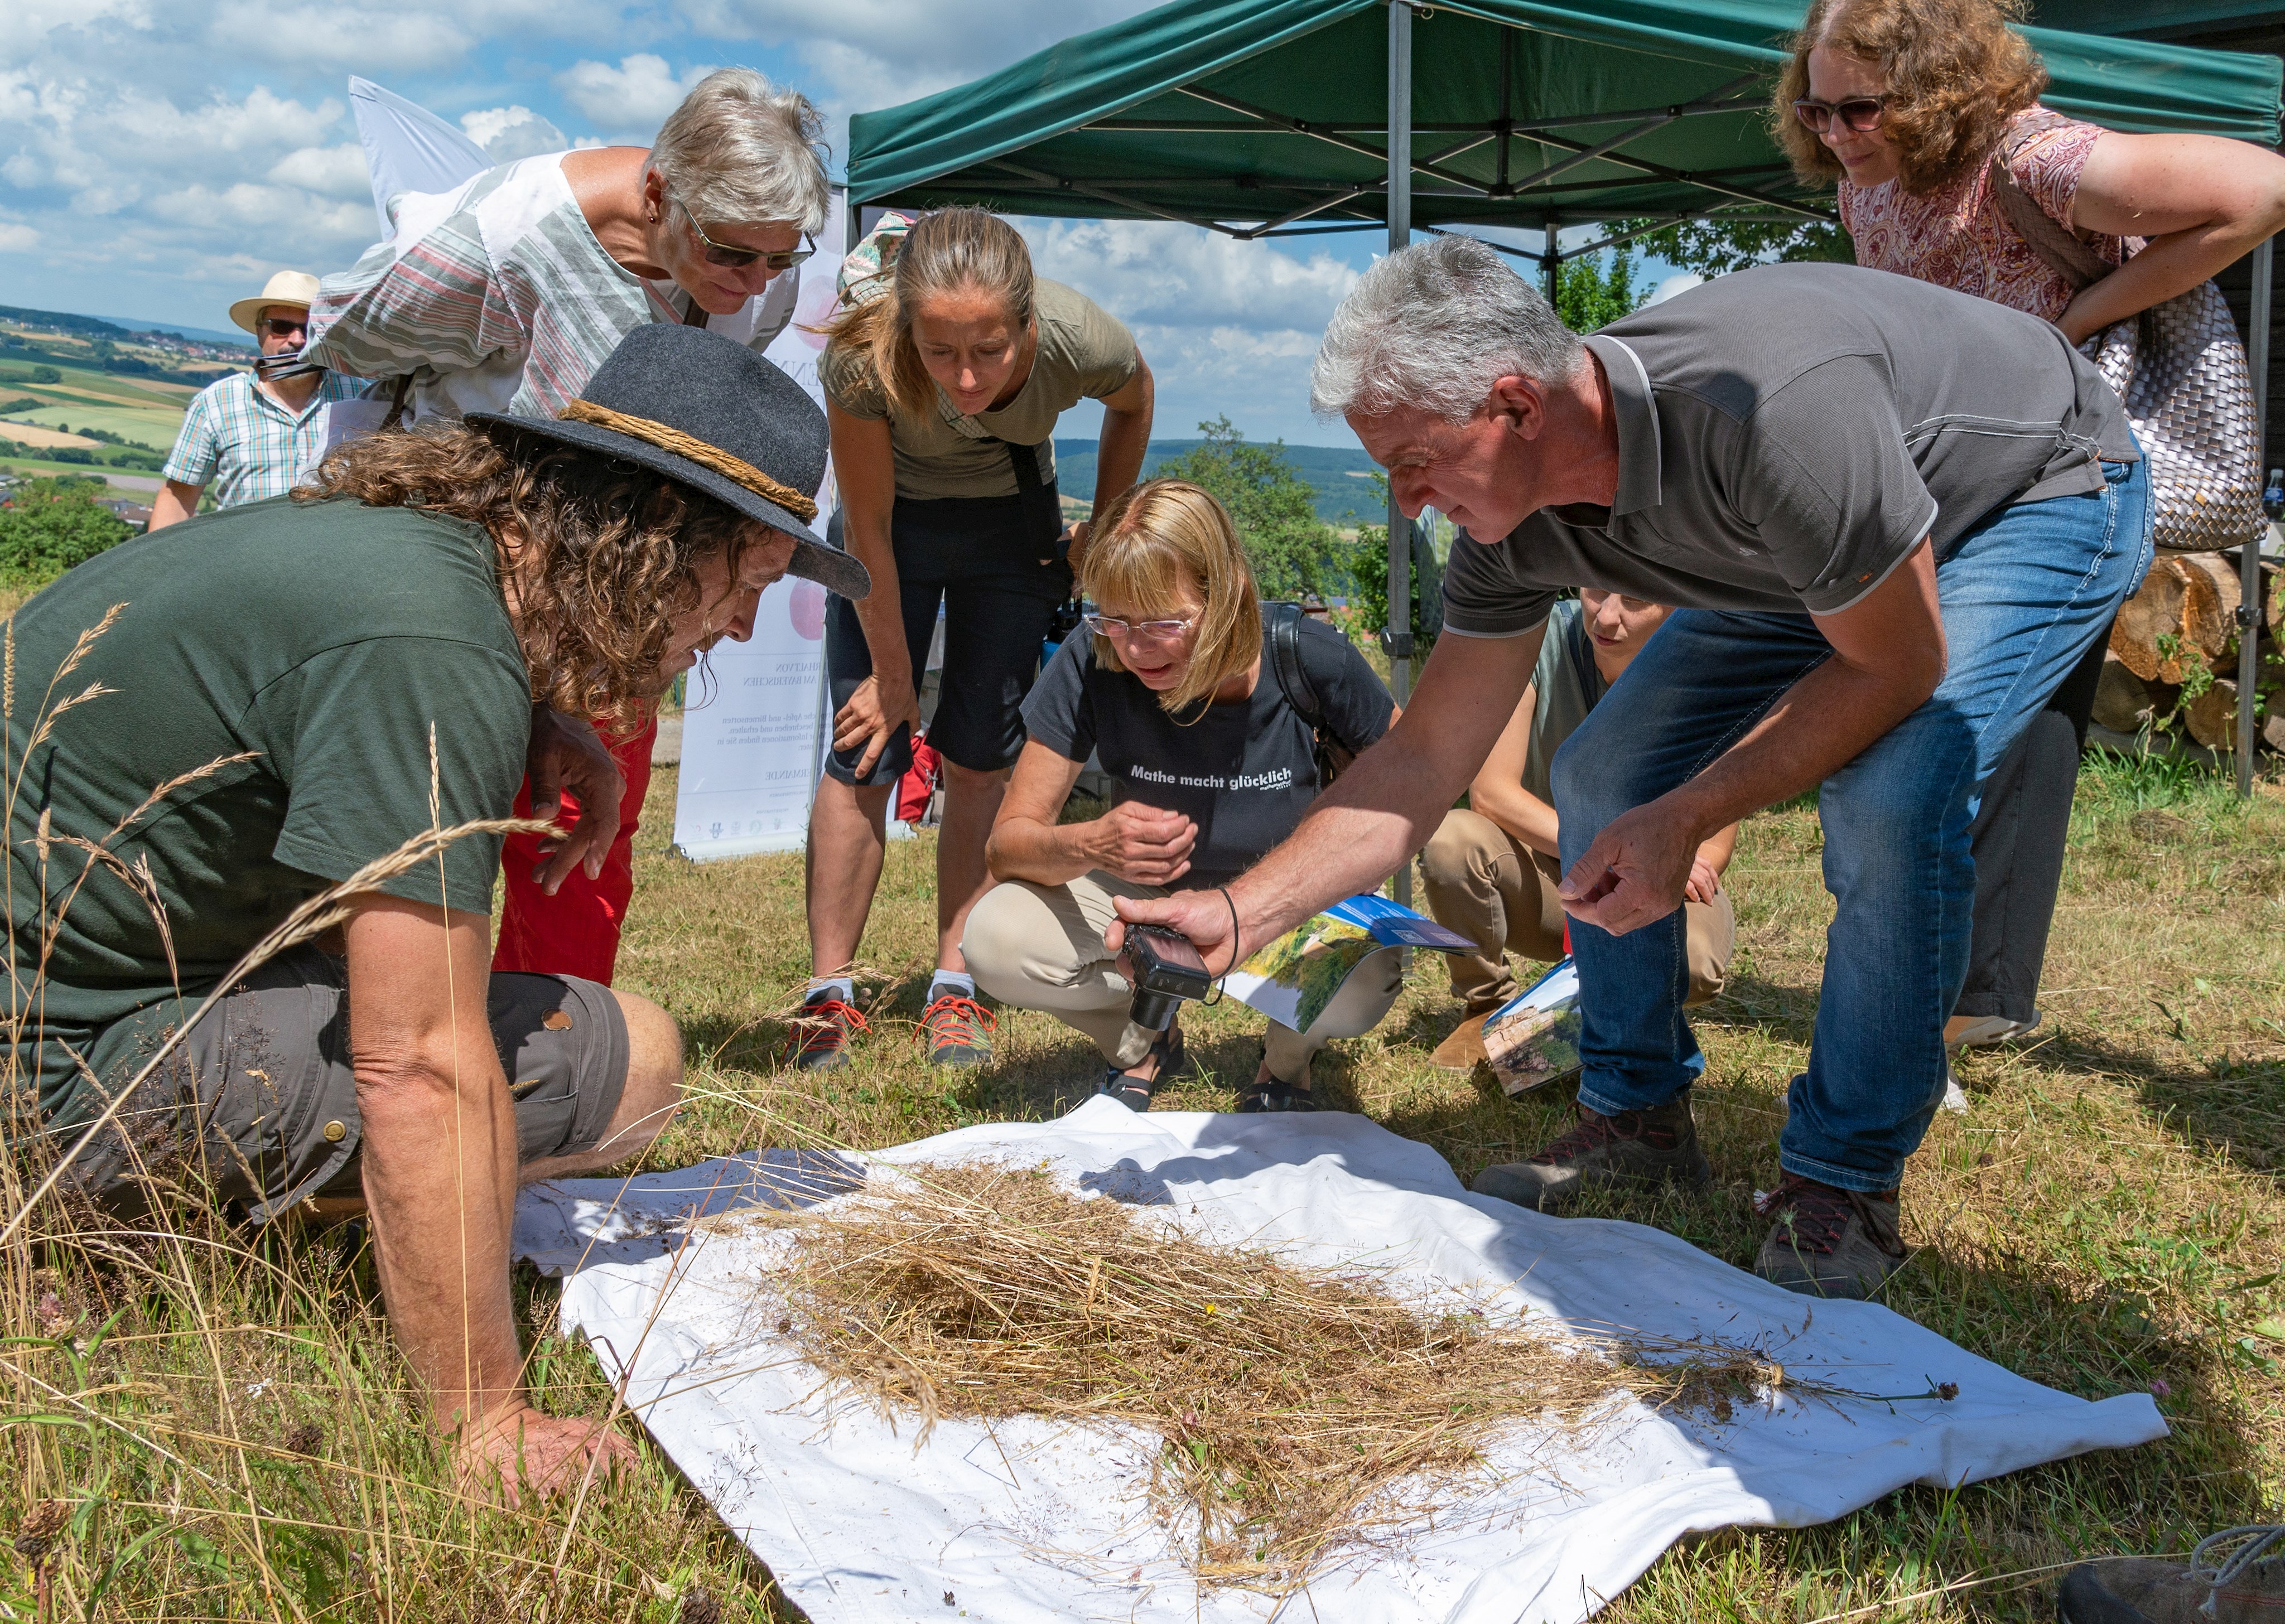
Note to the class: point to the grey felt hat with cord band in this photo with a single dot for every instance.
(711, 414)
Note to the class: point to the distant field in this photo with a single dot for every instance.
(31, 434)
(133, 408)
(143, 483)
(1341, 477)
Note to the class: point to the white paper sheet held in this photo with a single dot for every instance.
(1024, 1523)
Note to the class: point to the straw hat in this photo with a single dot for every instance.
(710, 413)
(294, 287)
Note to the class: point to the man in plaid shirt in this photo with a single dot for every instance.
(249, 436)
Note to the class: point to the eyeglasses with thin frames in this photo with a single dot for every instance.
(738, 259)
(1142, 631)
(1860, 114)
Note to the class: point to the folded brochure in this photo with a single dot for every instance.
(1295, 978)
(1534, 1038)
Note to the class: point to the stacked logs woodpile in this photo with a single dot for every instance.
(2172, 662)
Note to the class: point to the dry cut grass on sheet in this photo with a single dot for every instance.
(1299, 1411)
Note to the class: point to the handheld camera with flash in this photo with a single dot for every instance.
(1165, 970)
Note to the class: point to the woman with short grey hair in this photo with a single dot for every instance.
(504, 294)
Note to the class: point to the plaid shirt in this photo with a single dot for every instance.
(245, 444)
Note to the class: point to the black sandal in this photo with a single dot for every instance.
(1276, 1095)
(1135, 1093)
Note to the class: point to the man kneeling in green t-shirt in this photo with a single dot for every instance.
(1491, 872)
(195, 749)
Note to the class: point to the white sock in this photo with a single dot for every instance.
(952, 981)
(842, 987)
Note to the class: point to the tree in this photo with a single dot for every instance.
(1589, 293)
(1716, 247)
(52, 525)
(1368, 581)
(1292, 550)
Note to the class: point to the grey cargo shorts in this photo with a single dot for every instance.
(261, 1099)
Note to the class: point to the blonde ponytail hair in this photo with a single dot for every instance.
(944, 252)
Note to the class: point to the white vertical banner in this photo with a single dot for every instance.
(753, 738)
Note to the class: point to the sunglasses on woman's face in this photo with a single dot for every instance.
(1142, 631)
(738, 259)
(1860, 114)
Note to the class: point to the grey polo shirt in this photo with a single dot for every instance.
(1787, 435)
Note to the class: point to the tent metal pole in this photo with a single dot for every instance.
(2249, 605)
(1399, 631)
(1551, 261)
(852, 222)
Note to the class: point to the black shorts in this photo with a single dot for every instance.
(259, 1101)
(988, 563)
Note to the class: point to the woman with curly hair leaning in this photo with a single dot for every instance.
(1905, 104)
(347, 670)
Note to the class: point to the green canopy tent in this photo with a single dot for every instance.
(1270, 118)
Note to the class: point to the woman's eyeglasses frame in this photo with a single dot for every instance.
(1144, 631)
(1817, 116)
(738, 259)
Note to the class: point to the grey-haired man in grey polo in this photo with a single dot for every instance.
(1894, 516)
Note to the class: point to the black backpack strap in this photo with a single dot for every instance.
(1282, 622)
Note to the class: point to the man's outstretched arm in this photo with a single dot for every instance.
(1381, 811)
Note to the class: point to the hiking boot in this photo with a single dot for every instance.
(1464, 1050)
(1828, 1242)
(1634, 1148)
(2241, 1589)
(955, 1027)
(822, 1030)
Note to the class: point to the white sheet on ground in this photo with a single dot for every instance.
(1022, 1521)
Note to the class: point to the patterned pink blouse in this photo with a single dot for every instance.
(1957, 238)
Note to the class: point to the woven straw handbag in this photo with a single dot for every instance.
(2180, 369)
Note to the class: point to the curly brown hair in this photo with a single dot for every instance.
(1957, 71)
(600, 553)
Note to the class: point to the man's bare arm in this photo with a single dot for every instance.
(174, 503)
(1888, 657)
(1381, 811)
(439, 1157)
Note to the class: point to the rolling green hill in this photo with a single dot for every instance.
(1342, 476)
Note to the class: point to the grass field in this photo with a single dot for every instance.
(2105, 1218)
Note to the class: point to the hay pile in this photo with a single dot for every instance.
(1289, 1403)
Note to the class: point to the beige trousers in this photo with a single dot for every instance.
(1040, 947)
(1500, 894)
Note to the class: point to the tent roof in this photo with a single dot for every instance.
(1274, 111)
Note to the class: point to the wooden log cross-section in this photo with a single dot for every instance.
(2184, 617)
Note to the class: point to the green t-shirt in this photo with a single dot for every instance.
(323, 641)
(1084, 353)
(1564, 687)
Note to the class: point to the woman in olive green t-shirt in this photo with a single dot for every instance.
(943, 388)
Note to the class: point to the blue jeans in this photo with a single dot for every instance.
(2024, 593)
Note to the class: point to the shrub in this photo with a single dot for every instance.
(54, 525)
(46, 374)
(1292, 550)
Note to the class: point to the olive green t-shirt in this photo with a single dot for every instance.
(1085, 353)
(324, 642)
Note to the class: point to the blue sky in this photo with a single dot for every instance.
(161, 157)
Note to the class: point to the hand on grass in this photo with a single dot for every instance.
(1637, 871)
(871, 717)
(519, 1451)
(1143, 845)
(565, 755)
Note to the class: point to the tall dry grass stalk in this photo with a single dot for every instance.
(1300, 1413)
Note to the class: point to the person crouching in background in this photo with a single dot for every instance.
(1213, 765)
(1492, 871)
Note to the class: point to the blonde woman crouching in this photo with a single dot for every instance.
(1213, 765)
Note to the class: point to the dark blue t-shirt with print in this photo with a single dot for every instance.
(1243, 772)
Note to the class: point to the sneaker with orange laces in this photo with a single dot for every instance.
(955, 1028)
(822, 1031)
(1828, 1242)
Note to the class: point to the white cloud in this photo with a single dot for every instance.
(509, 133)
(334, 171)
(637, 95)
(1680, 282)
(366, 39)
(16, 238)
